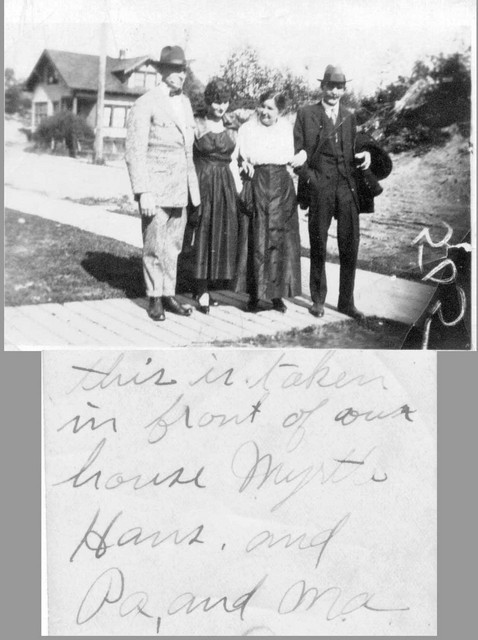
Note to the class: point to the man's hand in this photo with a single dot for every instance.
(147, 204)
(299, 159)
(366, 160)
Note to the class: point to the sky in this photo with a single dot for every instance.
(374, 41)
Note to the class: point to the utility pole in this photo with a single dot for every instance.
(100, 104)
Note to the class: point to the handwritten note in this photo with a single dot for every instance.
(260, 492)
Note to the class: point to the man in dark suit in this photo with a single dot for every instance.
(326, 135)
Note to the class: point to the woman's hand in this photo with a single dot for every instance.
(147, 204)
(247, 168)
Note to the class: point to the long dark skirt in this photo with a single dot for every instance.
(215, 242)
(269, 242)
(210, 250)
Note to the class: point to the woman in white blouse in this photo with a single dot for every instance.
(269, 250)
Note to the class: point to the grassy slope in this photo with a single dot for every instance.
(50, 262)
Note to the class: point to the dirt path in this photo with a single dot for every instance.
(422, 191)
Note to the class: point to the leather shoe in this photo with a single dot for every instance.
(155, 309)
(252, 305)
(172, 305)
(278, 305)
(352, 311)
(317, 309)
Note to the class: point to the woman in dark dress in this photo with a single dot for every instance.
(269, 253)
(214, 247)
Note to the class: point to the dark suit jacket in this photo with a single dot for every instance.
(309, 135)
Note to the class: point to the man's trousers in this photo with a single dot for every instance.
(162, 241)
(335, 200)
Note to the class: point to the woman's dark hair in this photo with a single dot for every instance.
(217, 91)
(279, 99)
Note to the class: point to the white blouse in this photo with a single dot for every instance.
(259, 144)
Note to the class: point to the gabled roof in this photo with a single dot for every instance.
(80, 71)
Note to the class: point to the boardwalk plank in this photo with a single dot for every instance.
(125, 325)
(12, 339)
(74, 316)
(34, 334)
(104, 320)
(265, 317)
(253, 324)
(223, 327)
(47, 315)
(171, 333)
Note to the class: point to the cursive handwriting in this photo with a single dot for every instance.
(299, 596)
(301, 542)
(350, 415)
(249, 464)
(98, 542)
(182, 413)
(211, 376)
(98, 379)
(117, 479)
(321, 376)
(109, 588)
(77, 423)
(188, 602)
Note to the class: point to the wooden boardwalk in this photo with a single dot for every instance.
(123, 323)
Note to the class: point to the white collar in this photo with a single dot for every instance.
(334, 110)
(165, 90)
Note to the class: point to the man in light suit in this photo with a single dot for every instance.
(159, 143)
(325, 133)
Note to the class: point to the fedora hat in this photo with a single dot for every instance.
(333, 74)
(172, 55)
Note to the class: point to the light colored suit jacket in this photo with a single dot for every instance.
(159, 150)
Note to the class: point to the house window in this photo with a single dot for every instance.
(56, 106)
(107, 117)
(119, 117)
(52, 77)
(40, 112)
(144, 79)
(115, 116)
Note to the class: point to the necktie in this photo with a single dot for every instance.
(175, 92)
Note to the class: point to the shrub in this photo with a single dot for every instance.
(64, 126)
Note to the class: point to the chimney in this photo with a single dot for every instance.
(122, 54)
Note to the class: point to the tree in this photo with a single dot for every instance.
(414, 111)
(248, 78)
(194, 89)
(15, 100)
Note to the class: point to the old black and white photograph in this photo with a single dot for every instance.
(238, 174)
(231, 227)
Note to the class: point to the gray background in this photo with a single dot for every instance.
(20, 524)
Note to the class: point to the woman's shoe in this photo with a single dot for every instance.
(278, 305)
(203, 303)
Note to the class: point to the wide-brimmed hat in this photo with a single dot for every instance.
(172, 55)
(333, 74)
